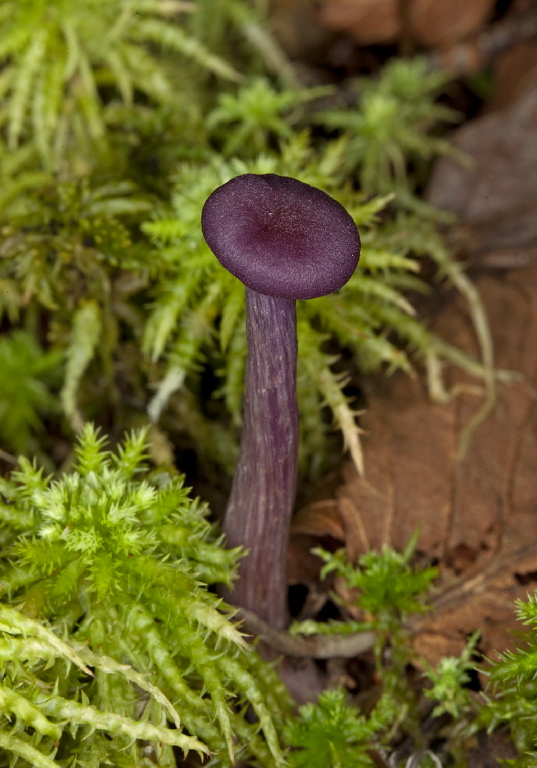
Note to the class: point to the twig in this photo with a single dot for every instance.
(314, 647)
(348, 646)
(467, 587)
(5, 456)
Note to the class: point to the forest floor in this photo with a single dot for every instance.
(475, 508)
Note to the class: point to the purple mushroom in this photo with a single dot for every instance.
(285, 240)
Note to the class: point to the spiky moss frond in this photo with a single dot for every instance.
(27, 376)
(449, 681)
(333, 733)
(85, 336)
(510, 699)
(62, 253)
(65, 243)
(391, 124)
(199, 307)
(388, 587)
(122, 557)
(40, 717)
(57, 55)
(257, 112)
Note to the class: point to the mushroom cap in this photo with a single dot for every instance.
(281, 237)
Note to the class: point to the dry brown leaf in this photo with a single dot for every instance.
(442, 23)
(432, 23)
(297, 27)
(367, 21)
(320, 519)
(473, 514)
(477, 515)
(312, 526)
(495, 192)
(515, 71)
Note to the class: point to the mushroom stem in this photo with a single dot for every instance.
(285, 240)
(263, 494)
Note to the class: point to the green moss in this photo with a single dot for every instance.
(121, 558)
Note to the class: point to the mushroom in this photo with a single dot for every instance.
(285, 240)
